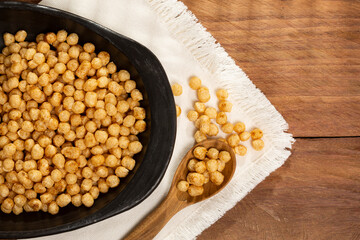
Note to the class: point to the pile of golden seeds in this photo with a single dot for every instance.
(207, 165)
(205, 117)
(69, 121)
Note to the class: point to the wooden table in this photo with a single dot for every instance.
(305, 56)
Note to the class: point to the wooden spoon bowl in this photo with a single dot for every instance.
(210, 188)
(176, 200)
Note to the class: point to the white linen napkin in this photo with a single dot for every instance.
(186, 49)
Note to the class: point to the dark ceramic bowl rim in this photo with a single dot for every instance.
(111, 208)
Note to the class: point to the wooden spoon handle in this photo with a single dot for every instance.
(157, 219)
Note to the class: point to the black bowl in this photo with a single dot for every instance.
(158, 140)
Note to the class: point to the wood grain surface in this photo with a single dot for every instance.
(315, 195)
(305, 56)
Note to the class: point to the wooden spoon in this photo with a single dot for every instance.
(176, 200)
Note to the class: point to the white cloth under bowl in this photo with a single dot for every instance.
(186, 49)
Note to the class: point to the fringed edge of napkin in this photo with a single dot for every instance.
(185, 28)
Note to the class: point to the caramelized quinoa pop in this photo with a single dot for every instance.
(69, 123)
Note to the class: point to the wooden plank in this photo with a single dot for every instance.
(306, 51)
(320, 116)
(315, 195)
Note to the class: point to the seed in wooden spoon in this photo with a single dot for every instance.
(207, 176)
(195, 190)
(217, 177)
(224, 156)
(191, 164)
(203, 169)
(200, 167)
(211, 165)
(212, 153)
(221, 165)
(183, 186)
(196, 179)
